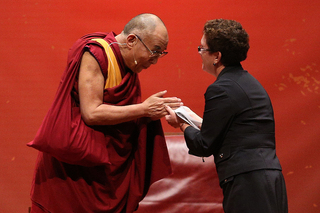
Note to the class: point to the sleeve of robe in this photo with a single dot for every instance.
(63, 133)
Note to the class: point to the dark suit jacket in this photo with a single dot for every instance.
(238, 125)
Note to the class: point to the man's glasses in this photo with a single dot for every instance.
(201, 49)
(156, 54)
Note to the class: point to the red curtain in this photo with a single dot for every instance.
(284, 56)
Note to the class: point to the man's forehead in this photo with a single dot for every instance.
(158, 41)
(159, 44)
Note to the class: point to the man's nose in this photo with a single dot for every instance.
(154, 60)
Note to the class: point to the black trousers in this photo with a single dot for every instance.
(260, 191)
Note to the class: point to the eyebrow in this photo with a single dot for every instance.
(157, 47)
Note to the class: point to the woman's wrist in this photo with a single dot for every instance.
(183, 126)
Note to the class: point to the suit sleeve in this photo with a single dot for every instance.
(218, 114)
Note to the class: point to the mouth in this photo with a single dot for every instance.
(146, 66)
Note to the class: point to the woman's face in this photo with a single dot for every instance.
(207, 57)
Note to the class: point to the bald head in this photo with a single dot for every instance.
(143, 36)
(145, 23)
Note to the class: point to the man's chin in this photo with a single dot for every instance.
(137, 70)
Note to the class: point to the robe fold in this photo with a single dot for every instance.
(87, 169)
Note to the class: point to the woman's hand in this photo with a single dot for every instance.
(172, 118)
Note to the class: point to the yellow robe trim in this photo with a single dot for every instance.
(114, 73)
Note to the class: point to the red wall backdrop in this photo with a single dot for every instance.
(284, 56)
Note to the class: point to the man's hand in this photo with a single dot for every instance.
(155, 105)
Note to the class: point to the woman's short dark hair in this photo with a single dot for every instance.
(229, 38)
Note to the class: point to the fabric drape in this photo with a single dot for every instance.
(96, 168)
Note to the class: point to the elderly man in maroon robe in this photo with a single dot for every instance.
(100, 146)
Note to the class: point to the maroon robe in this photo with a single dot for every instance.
(86, 169)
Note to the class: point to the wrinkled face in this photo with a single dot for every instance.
(207, 57)
(158, 42)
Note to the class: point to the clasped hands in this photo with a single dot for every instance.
(157, 106)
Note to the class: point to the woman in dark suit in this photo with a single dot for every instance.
(238, 125)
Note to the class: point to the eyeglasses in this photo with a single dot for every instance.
(201, 49)
(155, 54)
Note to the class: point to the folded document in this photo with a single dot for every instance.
(186, 114)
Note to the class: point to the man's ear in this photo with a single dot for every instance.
(131, 40)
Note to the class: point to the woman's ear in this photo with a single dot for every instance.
(216, 57)
(219, 56)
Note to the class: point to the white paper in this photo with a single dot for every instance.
(186, 114)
